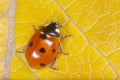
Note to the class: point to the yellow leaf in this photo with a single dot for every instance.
(4, 7)
(93, 50)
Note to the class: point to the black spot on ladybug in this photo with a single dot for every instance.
(42, 64)
(43, 36)
(42, 50)
(31, 44)
(53, 50)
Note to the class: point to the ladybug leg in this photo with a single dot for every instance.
(61, 51)
(65, 36)
(34, 28)
(23, 51)
(52, 64)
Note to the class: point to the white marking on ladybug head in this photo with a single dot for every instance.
(57, 30)
(57, 25)
(52, 33)
(35, 55)
(48, 36)
(42, 32)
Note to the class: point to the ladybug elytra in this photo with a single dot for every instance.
(43, 47)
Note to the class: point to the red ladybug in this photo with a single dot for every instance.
(43, 47)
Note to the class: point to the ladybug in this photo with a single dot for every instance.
(43, 47)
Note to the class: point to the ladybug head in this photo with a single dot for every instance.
(52, 29)
(55, 24)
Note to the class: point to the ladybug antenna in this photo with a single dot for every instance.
(34, 28)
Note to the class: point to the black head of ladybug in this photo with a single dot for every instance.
(52, 29)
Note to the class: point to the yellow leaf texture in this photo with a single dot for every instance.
(93, 49)
(4, 7)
